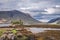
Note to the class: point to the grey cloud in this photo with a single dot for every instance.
(16, 4)
(34, 7)
(8, 4)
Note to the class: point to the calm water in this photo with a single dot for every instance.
(34, 29)
(37, 30)
(2, 25)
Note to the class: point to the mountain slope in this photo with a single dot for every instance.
(56, 20)
(17, 15)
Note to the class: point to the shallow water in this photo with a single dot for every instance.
(37, 30)
(33, 29)
(2, 25)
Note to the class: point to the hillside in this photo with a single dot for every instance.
(55, 20)
(17, 15)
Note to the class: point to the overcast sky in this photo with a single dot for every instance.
(34, 7)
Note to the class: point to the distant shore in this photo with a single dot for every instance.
(37, 26)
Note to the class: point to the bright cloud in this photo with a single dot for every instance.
(43, 20)
(50, 10)
(57, 5)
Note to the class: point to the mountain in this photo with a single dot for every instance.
(17, 15)
(46, 16)
(55, 20)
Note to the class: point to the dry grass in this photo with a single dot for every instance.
(44, 26)
(49, 35)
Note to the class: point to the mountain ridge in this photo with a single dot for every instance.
(55, 20)
(18, 15)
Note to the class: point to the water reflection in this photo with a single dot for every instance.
(37, 30)
(2, 25)
(33, 29)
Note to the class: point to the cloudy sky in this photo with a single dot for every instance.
(42, 10)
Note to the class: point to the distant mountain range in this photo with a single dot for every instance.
(17, 15)
(41, 16)
(55, 20)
